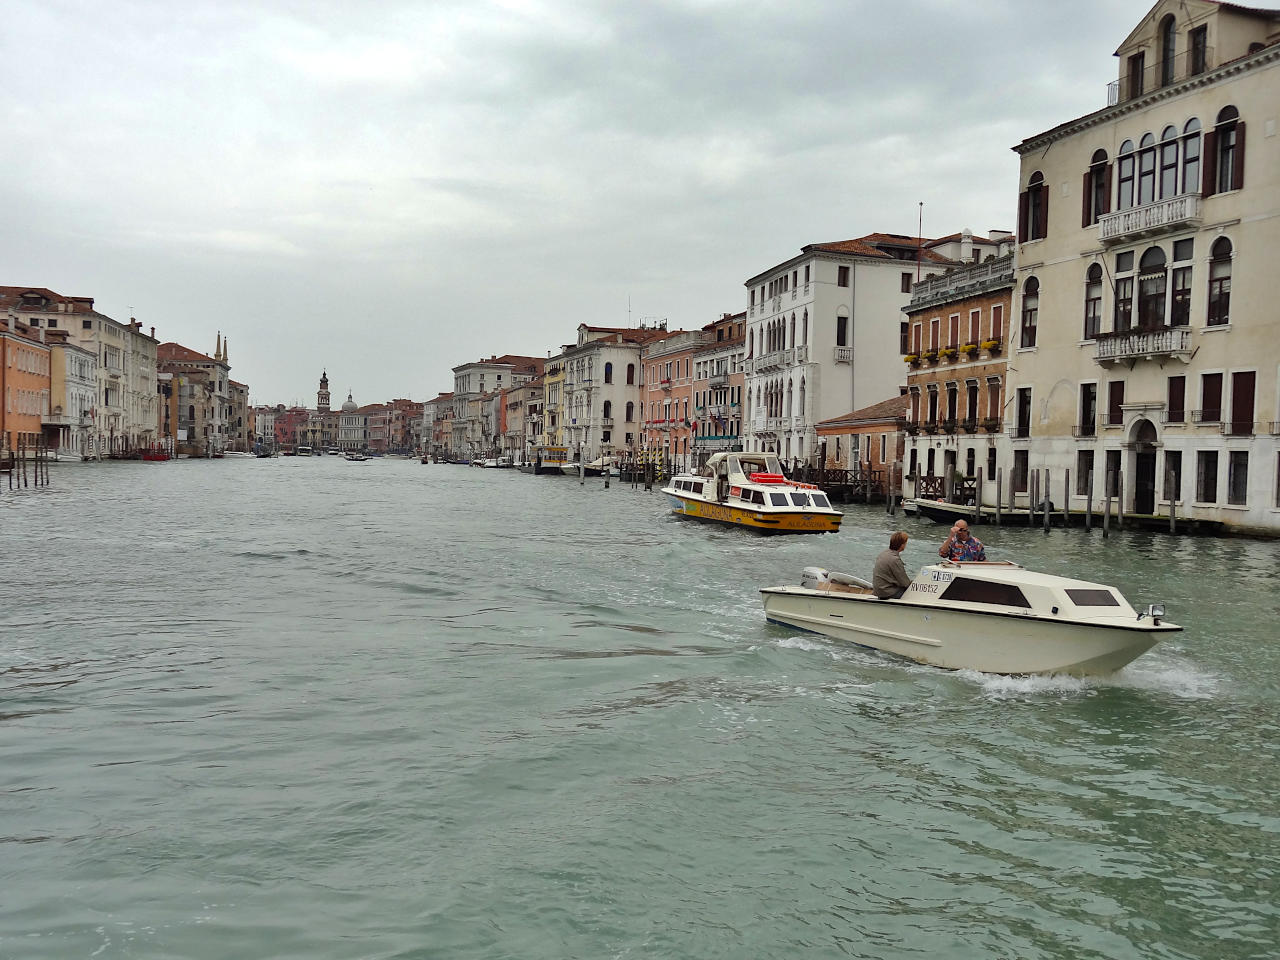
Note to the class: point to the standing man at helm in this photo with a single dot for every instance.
(962, 545)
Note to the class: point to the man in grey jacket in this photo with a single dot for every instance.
(889, 580)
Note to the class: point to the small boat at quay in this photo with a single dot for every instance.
(356, 457)
(991, 617)
(750, 490)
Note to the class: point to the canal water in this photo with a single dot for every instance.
(306, 708)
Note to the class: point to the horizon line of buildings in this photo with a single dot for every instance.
(1132, 350)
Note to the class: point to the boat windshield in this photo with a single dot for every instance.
(771, 464)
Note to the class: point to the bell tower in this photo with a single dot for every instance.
(322, 395)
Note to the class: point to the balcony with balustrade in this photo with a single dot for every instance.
(1162, 343)
(1186, 66)
(1150, 219)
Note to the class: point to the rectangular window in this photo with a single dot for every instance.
(1124, 304)
(1180, 309)
(1084, 469)
(1115, 402)
(975, 321)
(1207, 476)
(1023, 426)
(1176, 408)
(1111, 480)
(1210, 398)
(1198, 42)
(1137, 66)
(1021, 460)
(953, 328)
(842, 276)
(997, 321)
(842, 331)
(1242, 386)
(1173, 475)
(906, 283)
(1088, 409)
(991, 463)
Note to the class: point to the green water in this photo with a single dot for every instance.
(314, 709)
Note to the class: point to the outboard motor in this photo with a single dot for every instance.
(814, 578)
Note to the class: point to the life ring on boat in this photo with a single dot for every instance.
(768, 478)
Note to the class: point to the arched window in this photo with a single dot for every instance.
(1097, 189)
(1033, 209)
(608, 373)
(1146, 169)
(789, 392)
(1220, 283)
(191, 413)
(800, 409)
(608, 409)
(804, 327)
(631, 374)
(1093, 302)
(793, 329)
(842, 331)
(1224, 153)
(1152, 281)
(631, 411)
(1030, 311)
(1169, 163)
(1125, 176)
(1168, 46)
(1191, 156)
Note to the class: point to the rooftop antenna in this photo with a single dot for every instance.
(919, 239)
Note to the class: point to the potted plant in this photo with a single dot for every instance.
(969, 349)
(947, 353)
(912, 358)
(929, 355)
(991, 346)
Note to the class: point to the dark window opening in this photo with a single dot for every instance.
(985, 591)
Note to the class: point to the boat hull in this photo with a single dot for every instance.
(990, 642)
(796, 521)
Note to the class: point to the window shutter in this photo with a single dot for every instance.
(1237, 173)
(1209, 158)
(1042, 228)
(1023, 202)
(1086, 196)
(1106, 198)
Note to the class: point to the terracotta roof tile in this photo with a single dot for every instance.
(177, 353)
(889, 409)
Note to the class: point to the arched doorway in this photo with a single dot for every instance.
(1143, 436)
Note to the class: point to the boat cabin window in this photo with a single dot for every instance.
(771, 465)
(984, 591)
(820, 500)
(735, 466)
(800, 499)
(778, 499)
(1093, 598)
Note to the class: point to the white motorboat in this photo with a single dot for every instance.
(991, 617)
(750, 490)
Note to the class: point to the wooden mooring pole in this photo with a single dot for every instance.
(1106, 505)
(999, 494)
(1048, 500)
(1088, 504)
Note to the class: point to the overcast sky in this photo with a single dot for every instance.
(386, 190)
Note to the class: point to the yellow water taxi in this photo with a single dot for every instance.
(750, 490)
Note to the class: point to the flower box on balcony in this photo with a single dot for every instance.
(947, 353)
(969, 349)
(912, 358)
(929, 355)
(991, 346)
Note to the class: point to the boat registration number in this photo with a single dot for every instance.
(942, 576)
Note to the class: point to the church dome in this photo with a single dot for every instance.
(349, 406)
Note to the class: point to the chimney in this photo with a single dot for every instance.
(966, 245)
(153, 333)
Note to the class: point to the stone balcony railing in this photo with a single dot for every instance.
(970, 279)
(1157, 344)
(1150, 218)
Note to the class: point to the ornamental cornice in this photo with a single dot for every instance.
(1108, 114)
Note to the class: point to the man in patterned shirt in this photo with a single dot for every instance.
(962, 545)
